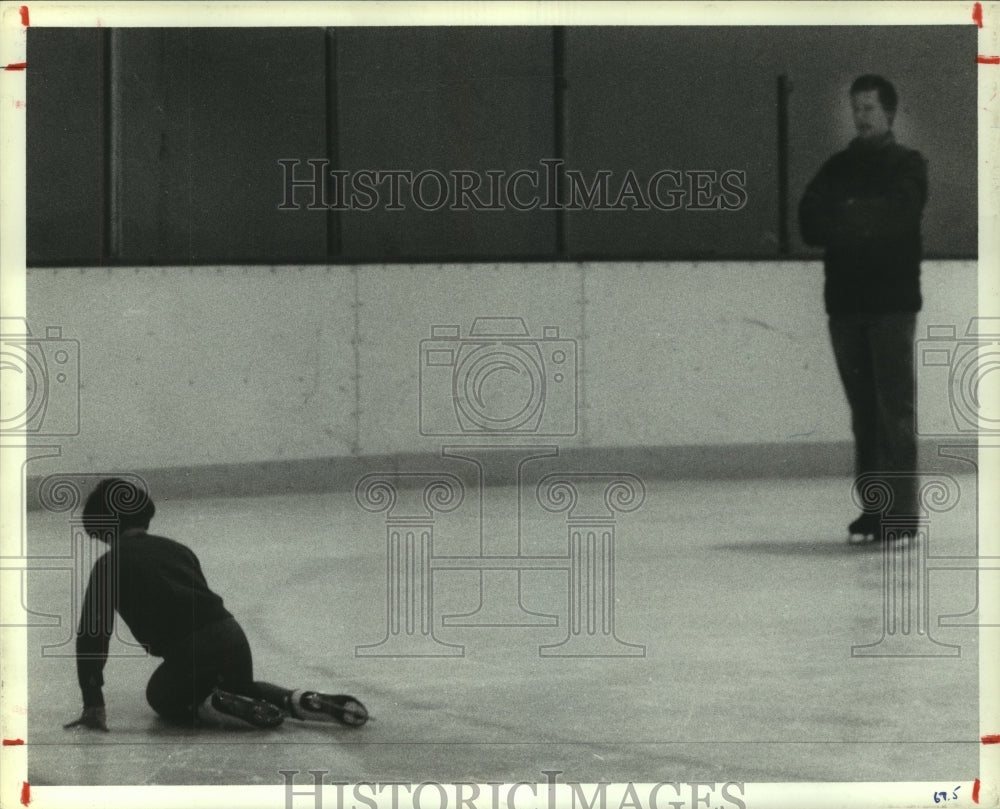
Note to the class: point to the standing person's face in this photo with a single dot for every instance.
(870, 118)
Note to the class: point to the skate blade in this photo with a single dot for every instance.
(340, 708)
(861, 539)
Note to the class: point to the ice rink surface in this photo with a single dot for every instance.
(745, 595)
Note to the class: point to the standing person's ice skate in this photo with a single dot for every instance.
(157, 587)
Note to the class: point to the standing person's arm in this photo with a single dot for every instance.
(894, 208)
(92, 638)
(818, 210)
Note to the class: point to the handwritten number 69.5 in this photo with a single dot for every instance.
(944, 796)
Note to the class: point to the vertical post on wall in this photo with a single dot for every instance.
(113, 128)
(104, 125)
(334, 244)
(784, 88)
(110, 124)
(559, 125)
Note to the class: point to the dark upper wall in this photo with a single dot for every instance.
(66, 170)
(162, 146)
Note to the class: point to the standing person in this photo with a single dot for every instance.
(157, 587)
(864, 206)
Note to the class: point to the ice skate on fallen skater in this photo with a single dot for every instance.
(254, 712)
(341, 708)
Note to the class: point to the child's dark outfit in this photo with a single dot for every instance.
(158, 588)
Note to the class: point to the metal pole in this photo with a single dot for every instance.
(784, 88)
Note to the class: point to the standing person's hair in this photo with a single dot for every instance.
(886, 92)
(119, 502)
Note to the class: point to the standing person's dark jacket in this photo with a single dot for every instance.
(158, 588)
(864, 206)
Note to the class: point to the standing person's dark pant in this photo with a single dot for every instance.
(874, 354)
(215, 656)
